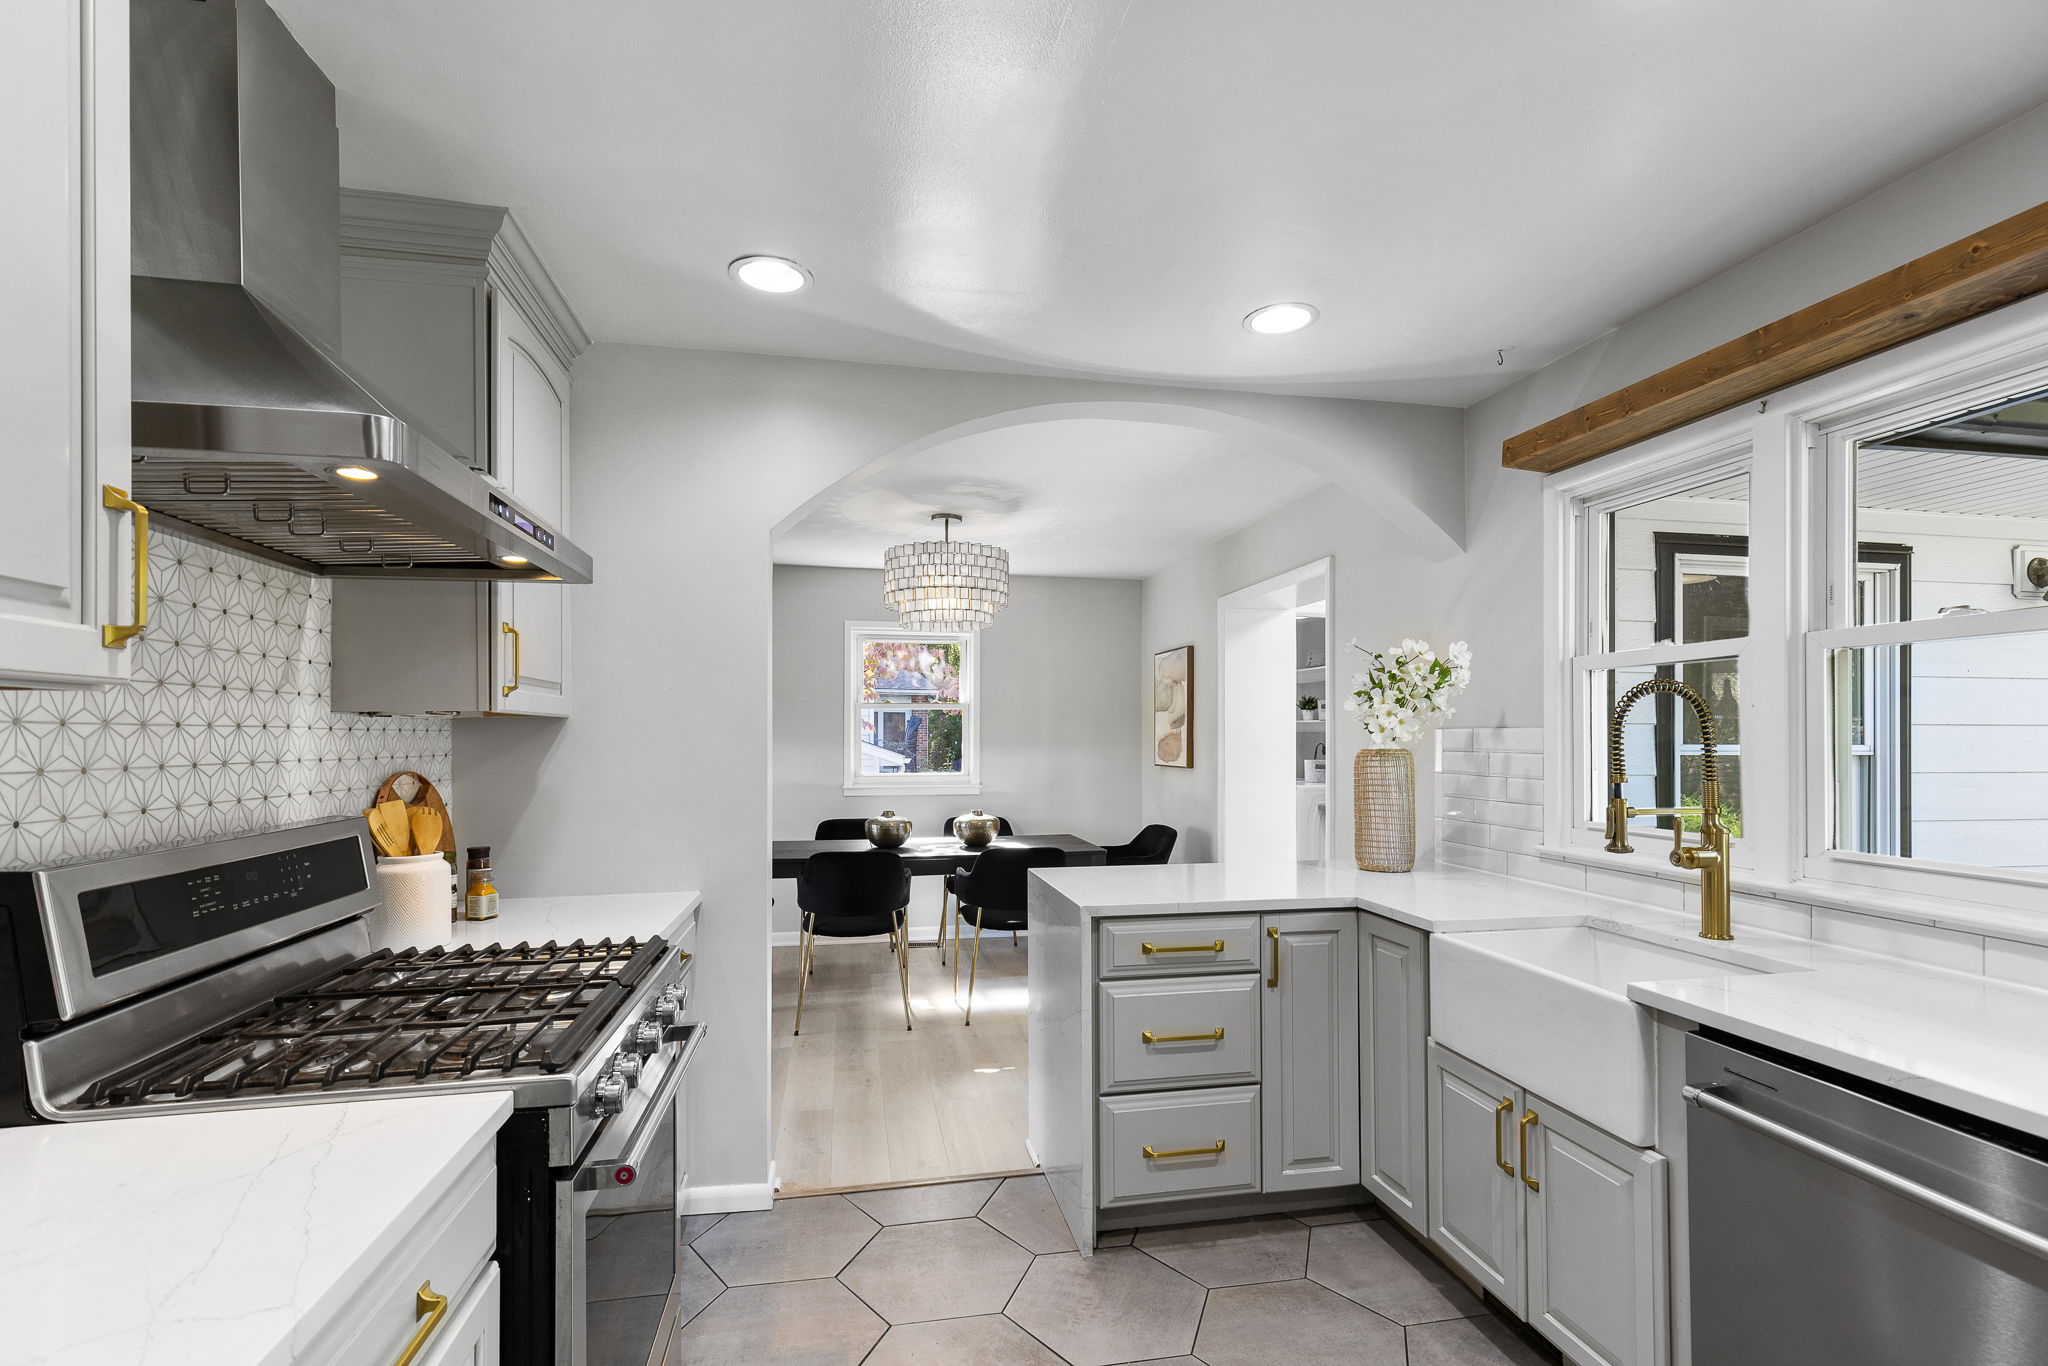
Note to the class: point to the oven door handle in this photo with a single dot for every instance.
(601, 1175)
(1710, 1098)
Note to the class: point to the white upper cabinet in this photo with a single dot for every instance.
(69, 543)
(448, 311)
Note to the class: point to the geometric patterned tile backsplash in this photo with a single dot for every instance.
(224, 729)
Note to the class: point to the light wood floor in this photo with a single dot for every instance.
(860, 1101)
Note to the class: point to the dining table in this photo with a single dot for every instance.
(930, 855)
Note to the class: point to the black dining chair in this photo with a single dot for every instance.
(1153, 844)
(842, 828)
(853, 896)
(993, 894)
(1003, 828)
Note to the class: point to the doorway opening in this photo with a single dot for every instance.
(1274, 644)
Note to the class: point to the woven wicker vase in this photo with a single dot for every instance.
(1383, 810)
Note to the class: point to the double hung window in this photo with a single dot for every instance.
(910, 722)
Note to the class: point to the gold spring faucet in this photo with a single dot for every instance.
(1710, 856)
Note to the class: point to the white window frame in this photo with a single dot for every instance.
(1800, 446)
(967, 781)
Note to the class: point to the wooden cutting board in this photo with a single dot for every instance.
(414, 789)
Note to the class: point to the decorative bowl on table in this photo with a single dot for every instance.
(977, 828)
(888, 830)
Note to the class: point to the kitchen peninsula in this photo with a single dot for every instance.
(1229, 1039)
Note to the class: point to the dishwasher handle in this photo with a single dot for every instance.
(1710, 1098)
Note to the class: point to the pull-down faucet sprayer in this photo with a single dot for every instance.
(1710, 856)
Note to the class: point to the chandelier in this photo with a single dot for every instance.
(946, 585)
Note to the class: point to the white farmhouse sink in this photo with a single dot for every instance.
(1548, 1009)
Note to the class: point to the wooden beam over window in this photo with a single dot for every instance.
(2002, 264)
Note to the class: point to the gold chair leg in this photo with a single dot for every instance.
(945, 899)
(972, 969)
(956, 952)
(903, 961)
(803, 975)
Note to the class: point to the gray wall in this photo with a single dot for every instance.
(1497, 602)
(1059, 721)
(1381, 593)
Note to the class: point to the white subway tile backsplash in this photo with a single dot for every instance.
(1509, 765)
(1469, 856)
(1556, 872)
(1520, 789)
(1638, 888)
(1900, 939)
(1463, 761)
(1768, 913)
(225, 728)
(1472, 785)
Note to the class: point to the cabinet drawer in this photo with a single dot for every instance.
(1178, 946)
(1213, 1134)
(449, 1249)
(1178, 1031)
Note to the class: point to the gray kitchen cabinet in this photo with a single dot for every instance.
(1597, 1272)
(71, 543)
(1308, 1036)
(1562, 1222)
(449, 311)
(1393, 1045)
(1475, 1193)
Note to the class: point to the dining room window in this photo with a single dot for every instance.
(910, 710)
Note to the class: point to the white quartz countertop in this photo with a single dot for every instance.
(1436, 897)
(1977, 1044)
(617, 915)
(229, 1238)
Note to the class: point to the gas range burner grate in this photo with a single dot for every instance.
(393, 1018)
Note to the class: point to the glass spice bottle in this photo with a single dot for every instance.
(480, 901)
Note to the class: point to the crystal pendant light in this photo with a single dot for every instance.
(946, 585)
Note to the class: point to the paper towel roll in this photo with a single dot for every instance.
(414, 903)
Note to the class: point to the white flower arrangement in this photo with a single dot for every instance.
(1402, 693)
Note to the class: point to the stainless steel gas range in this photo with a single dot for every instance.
(239, 973)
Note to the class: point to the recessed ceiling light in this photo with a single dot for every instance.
(770, 274)
(1275, 319)
(513, 559)
(356, 472)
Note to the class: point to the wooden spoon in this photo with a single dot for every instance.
(426, 829)
(388, 830)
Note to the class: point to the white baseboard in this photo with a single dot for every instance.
(729, 1199)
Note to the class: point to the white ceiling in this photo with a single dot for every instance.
(1105, 187)
(1085, 497)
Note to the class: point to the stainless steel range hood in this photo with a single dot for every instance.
(243, 417)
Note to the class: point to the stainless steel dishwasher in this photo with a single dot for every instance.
(1834, 1221)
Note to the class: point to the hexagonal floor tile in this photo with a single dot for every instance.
(1296, 1321)
(798, 1240)
(1116, 1306)
(924, 1204)
(991, 1341)
(1024, 1209)
(1388, 1273)
(1241, 1252)
(1470, 1342)
(950, 1270)
(696, 1287)
(804, 1323)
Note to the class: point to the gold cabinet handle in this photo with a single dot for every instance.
(1528, 1117)
(117, 637)
(1151, 1151)
(1216, 947)
(1273, 937)
(1507, 1103)
(1213, 1036)
(506, 628)
(429, 1309)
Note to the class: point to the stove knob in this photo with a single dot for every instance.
(646, 1036)
(626, 1066)
(608, 1096)
(668, 1009)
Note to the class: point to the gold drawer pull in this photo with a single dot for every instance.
(430, 1309)
(1151, 1151)
(506, 628)
(1215, 1036)
(117, 637)
(1528, 1117)
(1507, 1103)
(1273, 936)
(1216, 947)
